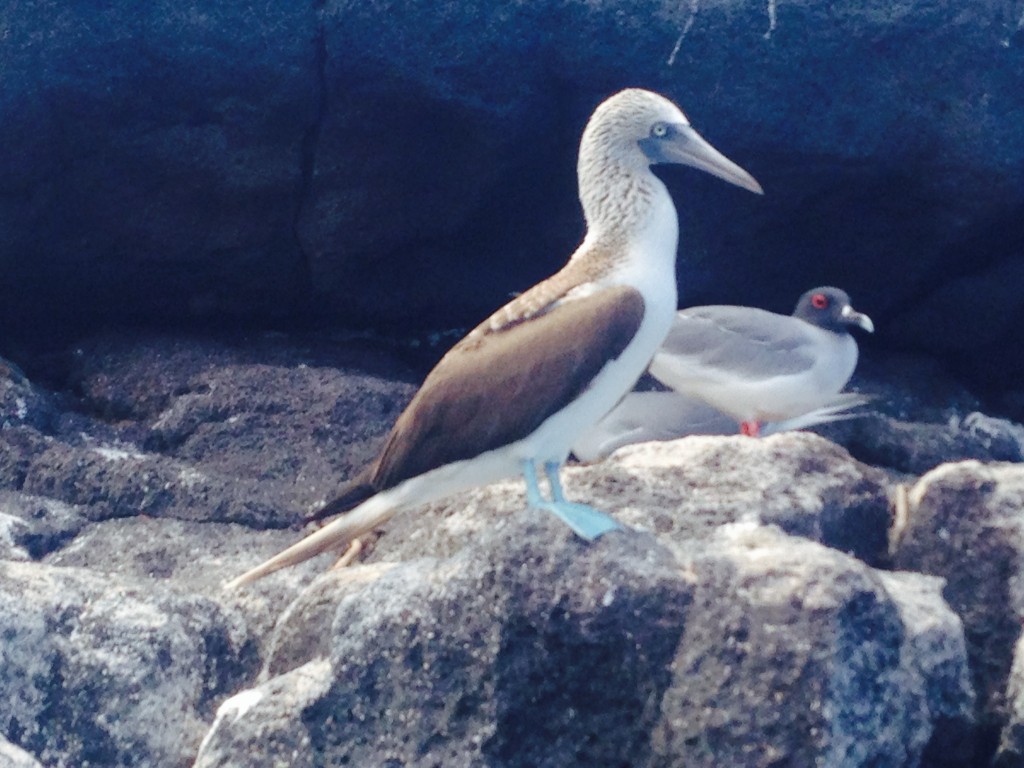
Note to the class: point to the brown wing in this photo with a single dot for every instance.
(496, 388)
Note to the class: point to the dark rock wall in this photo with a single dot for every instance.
(409, 164)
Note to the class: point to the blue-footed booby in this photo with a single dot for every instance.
(757, 366)
(513, 395)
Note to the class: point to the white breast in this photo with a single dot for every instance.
(647, 264)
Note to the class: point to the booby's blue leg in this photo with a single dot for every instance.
(551, 470)
(587, 522)
(533, 497)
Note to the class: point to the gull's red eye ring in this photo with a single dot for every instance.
(819, 301)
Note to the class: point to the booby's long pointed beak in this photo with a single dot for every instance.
(686, 147)
(853, 317)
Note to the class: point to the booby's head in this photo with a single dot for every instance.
(638, 128)
(635, 129)
(830, 308)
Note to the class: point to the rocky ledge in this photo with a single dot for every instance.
(850, 600)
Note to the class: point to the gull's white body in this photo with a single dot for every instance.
(732, 366)
(765, 398)
(756, 365)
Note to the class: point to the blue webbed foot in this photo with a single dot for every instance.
(587, 522)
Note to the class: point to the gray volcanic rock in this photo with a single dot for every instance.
(118, 481)
(936, 652)
(403, 162)
(917, 447)
(964, 523)
(13, 757)
(196, 558)
(793, 654)
(528, 647)
(729, 614)
(919, 417)
(798, 481)
(1011, 744)
(21, 403)
(32, 526)
(257, 431)
(105, 671)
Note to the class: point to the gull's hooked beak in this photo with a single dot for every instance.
(853, 317)
(682, 145)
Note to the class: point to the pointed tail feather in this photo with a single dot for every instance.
(364, 518)
(839, 408)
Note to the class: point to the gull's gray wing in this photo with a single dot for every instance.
(741, 342)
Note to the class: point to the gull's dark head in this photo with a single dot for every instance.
(830, 308)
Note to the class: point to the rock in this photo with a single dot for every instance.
(100, 671)
(920, 417)
(917, 447)
(275, 705)
(747, 648)
(1011, 744)
(798, 481)
(119, 481)
(22, 403)
(528, 647)
(258, 431)
(935, 651)
(964, 524)
(351, 160)
(290, 414)
(197, 558)
(32, 526)
(792, 654)
(14, 757)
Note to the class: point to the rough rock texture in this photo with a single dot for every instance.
(250, 430)
(431, 657)
(741, 619)
(964, 523)
(1011, 745)
(404, 162)
(31, 526)
(756, 650)
(791, 655)
(934, 644)
(13, 757)
(103, 671)
(919, 418)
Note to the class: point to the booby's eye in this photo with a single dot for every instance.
(819, 301)
(659, 130)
